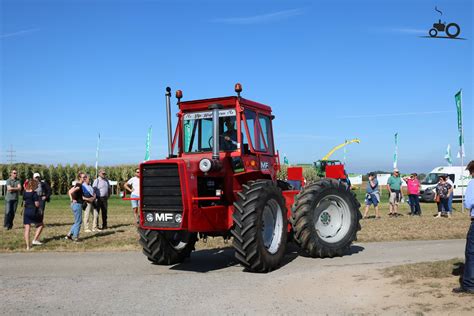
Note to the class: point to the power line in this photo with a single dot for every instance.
(11, 155)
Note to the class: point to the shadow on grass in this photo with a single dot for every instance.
(96, 235)
(57, 224)
(119, 225)
(206, 260)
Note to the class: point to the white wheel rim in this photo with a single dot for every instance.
(272, 226)
(334, 218)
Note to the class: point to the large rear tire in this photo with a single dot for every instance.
(260, 226)
(167, 247)
(326, 218)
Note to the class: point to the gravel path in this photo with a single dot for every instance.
(210, 283)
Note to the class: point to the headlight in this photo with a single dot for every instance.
(149, 217)
(205, 165)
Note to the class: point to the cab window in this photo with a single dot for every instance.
(259, 131)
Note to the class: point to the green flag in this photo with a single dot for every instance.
(285, 160)
(458, 99)
(148, 143)
(395, 154)
(448, 156)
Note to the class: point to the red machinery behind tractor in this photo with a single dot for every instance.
(220, 179)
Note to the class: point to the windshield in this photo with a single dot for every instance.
(431, 178)
(197, 132)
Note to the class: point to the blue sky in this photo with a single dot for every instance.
(331, 70)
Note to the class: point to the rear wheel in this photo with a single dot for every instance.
(260, 226)
(453, 30)
(326, 218)
(167, 247)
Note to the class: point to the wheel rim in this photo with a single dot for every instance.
(334, 218)
(272, 226)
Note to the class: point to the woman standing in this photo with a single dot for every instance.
(372, 195)
(413, 188)
(443, 190)
(89, 196)
(31, 214)
(76, 196)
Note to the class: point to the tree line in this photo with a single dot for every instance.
(60, 177)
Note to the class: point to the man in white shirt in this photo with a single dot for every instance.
(103, 191)
(135, 192)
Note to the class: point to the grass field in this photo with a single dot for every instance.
(122, 234)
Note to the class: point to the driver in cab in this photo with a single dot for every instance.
(229, 137)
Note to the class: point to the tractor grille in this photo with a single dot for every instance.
(161, 196)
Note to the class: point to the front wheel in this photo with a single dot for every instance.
(167, 247)
(260, 226)
(326, 218)
(433, 32)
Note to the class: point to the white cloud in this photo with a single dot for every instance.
(262, 18)
(19, 33)
(393, 114)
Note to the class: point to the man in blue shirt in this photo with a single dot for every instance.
(467, 283)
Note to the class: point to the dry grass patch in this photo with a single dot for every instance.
(409, 273)
(122, 234)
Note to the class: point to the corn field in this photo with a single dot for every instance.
(60, 177)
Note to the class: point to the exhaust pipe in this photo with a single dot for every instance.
(215, 129)
(168, 121)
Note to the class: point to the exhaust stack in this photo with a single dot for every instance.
(168, 121)
(215, 129)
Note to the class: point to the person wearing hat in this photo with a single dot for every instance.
(102, 187)
(44, 193)
(394, 185)
(413, 188)
(467, 280)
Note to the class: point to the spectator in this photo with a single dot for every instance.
(43, 191)
(394, 185)
(89, 193)
(372, 195)
(135, 192)
(467, 281)
(103, 187)
(413, 188)
(443, 190)
(450, 200)
(77, 199)
(32, 213)
(11, 199)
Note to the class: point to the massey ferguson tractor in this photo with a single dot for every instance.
(220, 179)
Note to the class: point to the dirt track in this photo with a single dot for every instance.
(212, 283)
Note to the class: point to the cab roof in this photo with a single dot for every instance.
(226, 102)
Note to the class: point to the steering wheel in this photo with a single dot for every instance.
(209, 142)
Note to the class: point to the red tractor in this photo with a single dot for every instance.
(220, 179)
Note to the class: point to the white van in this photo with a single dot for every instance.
(457, 174)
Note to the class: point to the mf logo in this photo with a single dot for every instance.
(264, 165)
(163, 217)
